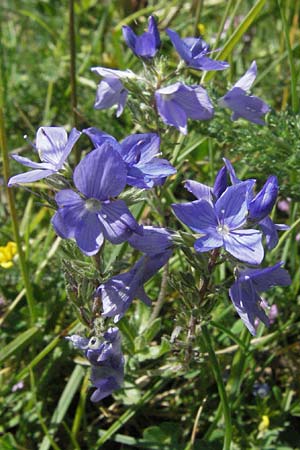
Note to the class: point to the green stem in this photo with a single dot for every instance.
(199, 8)
(73, 69)
(221, 388)
(12, 208)
(295, 99)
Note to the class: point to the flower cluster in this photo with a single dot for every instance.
(177, 102)
(230, 219)
(106, 359)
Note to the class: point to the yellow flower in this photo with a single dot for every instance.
(201, 29)
(264, 424)
(6, 254)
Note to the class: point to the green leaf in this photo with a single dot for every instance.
(64, 403)
(18, 343)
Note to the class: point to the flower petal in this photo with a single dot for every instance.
(50, 143)
(105, 386)
(198, 215)
(73, 138)
(247, 304)
(199, 190)
(105, 72)
(206, 63)
(88, 234)
(98, 137)
(170, 112)
(263, 202)
(101, 174)
(245, 245)
(29, 177)
(209, 242)
(247, 80)
(220, 184)
(117, 222)
(231, 207)
(182, 49)
(34, 165)
(264, 279)
(154, 240)
(140, 147)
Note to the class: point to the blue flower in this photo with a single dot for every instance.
(243, 105)
(54, 147)
(261, 205)
(107, 361)
(178, 102)
(110, 91)
(210, 194)
(95, 214)
(245, 292)
(139, 153)
(194, 52)
(146, 45)
(222, 224)
(119, 291)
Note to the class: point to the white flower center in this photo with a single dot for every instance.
(92, 205)
(223, 230)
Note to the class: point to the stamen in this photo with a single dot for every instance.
(29, 141)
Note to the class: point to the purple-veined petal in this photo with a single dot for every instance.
(67, 197)
(34, 165)
(247, 80)
(101, 174)
(152, 27)
(145, 46)
(208, 242)
(269, 230)
(117, 222)
(105, 72)
(199, 190)
(129, 37)
(170, 112)
(88, 234)
(220, 184)
(69, 214)
(263, 202)
(108, 92)
(140, 147)
(157, 167)
(29, 177)
(246, 302)
(182, 49)
(231, 207)
(198, 215)
(246, 106)
(105, 387)
(264, 279)
(245, 245)
(78, 341)
(154, 240)
(98, 137)
(73, 138)
(195, 101)
(50, 143)
(206, 63)
(233, 178)
(122, 102)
